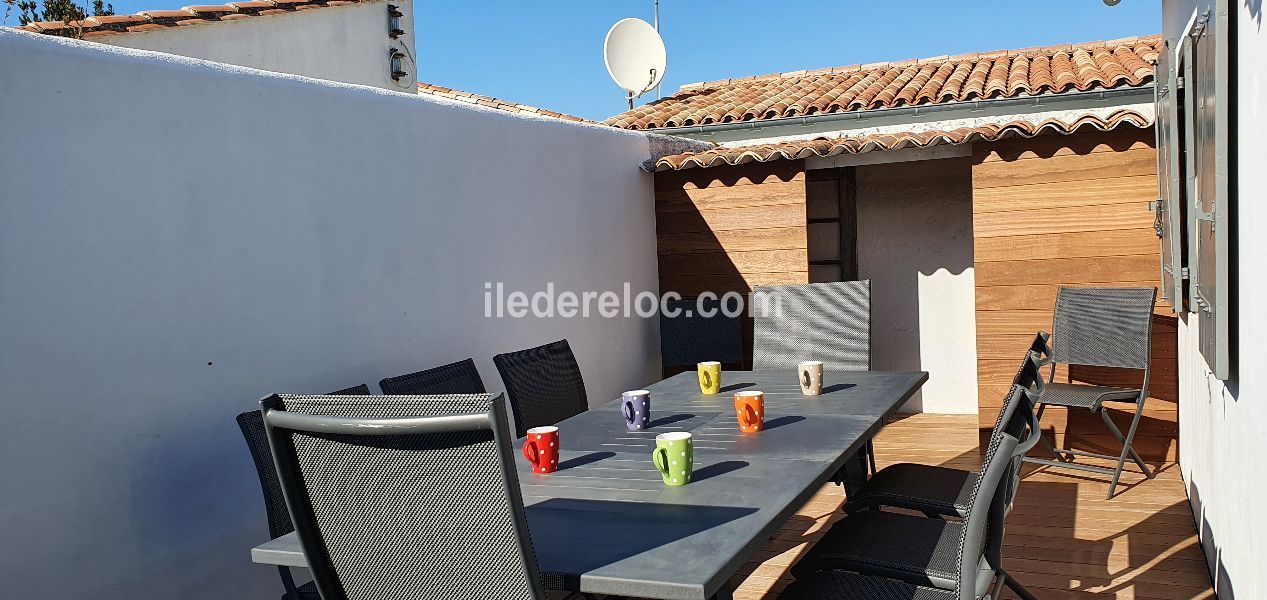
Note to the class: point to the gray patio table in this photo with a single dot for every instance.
(607, 523)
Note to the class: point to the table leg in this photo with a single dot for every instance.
(727, 592)
(855, 472)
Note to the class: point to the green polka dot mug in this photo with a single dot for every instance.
(672, 456)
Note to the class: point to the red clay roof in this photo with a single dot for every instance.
(1001, 74)
(897, 141)
(461, 96)
(190, 15)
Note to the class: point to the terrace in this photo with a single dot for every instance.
(1064, 539)
(296, 222)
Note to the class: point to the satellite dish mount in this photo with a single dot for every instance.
(635, 56)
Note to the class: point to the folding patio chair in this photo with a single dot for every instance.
(252, 424)
(878, 554)
(688, 337)
(936, 490)
(1100, 327)
(461, 377)
(404, 496)
(830, 322)
(544, 385)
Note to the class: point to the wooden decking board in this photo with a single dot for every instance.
(1064, 540)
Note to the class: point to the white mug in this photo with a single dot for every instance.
(810, 375)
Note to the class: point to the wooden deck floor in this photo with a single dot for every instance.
(1064, 540)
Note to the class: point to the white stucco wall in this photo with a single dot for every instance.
(915, 245)
(340, 43)
(1223, 424)
(179, 238)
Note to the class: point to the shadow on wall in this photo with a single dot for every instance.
(915, 245)
(1073, 144)
(729, 229)
(1213, 551)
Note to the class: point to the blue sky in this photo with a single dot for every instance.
(549, 54)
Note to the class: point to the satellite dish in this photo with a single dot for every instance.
(635, 55)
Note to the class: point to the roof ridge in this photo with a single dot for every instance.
(146, 20)
(941, 59)
(857, 144)
(432, 89)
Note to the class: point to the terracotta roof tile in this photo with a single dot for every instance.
(251, 5)
(54, 26)
(155, 15)
(894, 141)
(150, 20)
(982, 75)
(428, 89)
(141, 27)
(210, 9)
(107, 20)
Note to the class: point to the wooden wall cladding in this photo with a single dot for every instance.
(730, 229)
(1068, 210)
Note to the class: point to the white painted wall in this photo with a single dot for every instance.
(1223, 424)
(340, 43)
(915, 245)
(179, 238)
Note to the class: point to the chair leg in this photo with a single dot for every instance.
(1126, 445)
(292, 592)
(1051, 446)
(1015, 586)
(871, 455)
(1117, 433)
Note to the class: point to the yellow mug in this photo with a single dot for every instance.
(709, 377)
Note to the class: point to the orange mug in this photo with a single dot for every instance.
(750, 409)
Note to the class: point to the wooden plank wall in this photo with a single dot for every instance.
(730, 229)
(1068, 210)
(725, 229)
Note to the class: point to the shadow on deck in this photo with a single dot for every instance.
(1064, 540)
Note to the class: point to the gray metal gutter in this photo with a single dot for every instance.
(1103, 97)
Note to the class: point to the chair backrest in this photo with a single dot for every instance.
(1021, 424)
(461, 377)
(688, 337)
(830, 322)
(1104, 327)
(544, 385)
(1040, 351)
(1014, 434)
(1029, 373)
(404, 496)
(251, 423)
(356, 390)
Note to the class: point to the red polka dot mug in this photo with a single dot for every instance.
(542, 449)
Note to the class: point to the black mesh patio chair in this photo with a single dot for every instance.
(936, 490)
(252, 424)
(1100, 327)
(830, 322)
(404, 496)
(454, 378)
(933, 558)
(544, 385)
(356, 390)
(688, 337)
